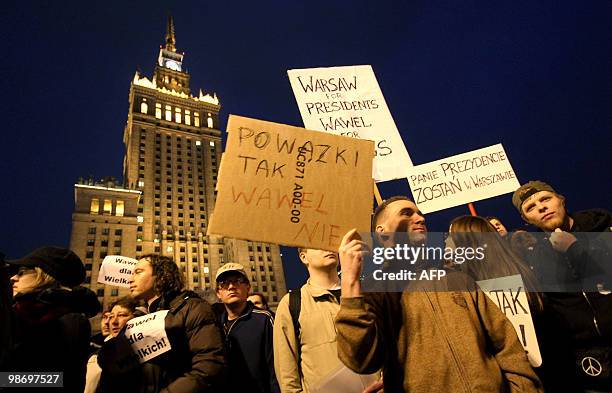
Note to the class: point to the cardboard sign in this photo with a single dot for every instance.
(508, 293)
(464, 178)
(348, 101)
(147, 335)
(288, 185)
(116, 270)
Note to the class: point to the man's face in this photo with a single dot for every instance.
(104, 321)
(256, 300)
(319, 259)
(402, 217)
(119, 316)
(141, 286)
(233, 288)
(499, 227)
(545, 210)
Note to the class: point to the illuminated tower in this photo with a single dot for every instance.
(173, 151)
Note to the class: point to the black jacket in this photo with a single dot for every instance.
(250, 353)
(571, 278)
(195, 362)
(573, 299)
(52, 334)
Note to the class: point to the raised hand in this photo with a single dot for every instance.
(561, 240)
(351, 252)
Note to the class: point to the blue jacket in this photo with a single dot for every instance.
(250, 355)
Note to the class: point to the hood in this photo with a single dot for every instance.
(79, 299)
(595, 220)
(172, 301)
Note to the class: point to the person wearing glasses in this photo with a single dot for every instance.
(248, 334)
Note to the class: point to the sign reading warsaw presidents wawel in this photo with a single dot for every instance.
(461, 179)
(348, 101)
(288, 185)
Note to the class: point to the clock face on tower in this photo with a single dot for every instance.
(173, 65)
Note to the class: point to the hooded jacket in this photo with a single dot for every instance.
(52, 333)
(195, 362)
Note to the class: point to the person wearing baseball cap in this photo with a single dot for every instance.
(248, 334)
(50, 313)
(572, 261)
(563, 253)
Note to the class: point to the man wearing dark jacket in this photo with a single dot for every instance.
(248, 334)
(573, 260)
(195, 361)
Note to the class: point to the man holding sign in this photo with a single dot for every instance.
(425, 341)
(185, 353)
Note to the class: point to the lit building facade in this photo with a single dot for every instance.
(173, 151)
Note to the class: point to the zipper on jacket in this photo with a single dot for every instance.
(234, 324)
(593, 311)
(457, 363)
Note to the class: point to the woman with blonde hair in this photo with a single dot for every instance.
(49, 313)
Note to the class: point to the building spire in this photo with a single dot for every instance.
(170, 39)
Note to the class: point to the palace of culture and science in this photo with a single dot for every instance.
(172, 155)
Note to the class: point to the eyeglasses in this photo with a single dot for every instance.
(224, 284)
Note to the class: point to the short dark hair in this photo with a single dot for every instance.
(126, 302)
(381, 208)
(168, 277)
(263, 299)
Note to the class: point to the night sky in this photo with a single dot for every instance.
(457, 76)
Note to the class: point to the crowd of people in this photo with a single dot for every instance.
(332, 335)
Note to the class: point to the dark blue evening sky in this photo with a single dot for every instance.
(533, 75)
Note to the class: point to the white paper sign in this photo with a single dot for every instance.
(345, 380)
(116, 270)
(147, 335)
(348, 101)
(461, 179)
(508, 293)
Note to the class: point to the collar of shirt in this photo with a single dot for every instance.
(317, 291)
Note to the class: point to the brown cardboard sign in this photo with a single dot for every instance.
(288, 185)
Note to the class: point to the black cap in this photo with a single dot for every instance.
(527, 190)
(60, 263)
